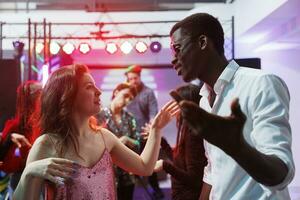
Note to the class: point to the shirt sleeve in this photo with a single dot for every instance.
(207, 169)
(271, 132)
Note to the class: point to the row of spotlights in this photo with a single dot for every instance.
(68, 48)
(111, 47)
(126, 47)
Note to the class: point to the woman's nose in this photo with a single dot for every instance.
(98, 92)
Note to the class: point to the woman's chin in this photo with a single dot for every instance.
(97, 110)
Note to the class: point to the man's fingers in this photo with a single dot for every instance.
(236, 110)
(194, 116)
(191, 110)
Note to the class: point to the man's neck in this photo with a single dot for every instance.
(140, 87)
(215, 69)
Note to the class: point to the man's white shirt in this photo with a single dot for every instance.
(264, 99)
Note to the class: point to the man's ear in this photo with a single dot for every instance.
(202, 41)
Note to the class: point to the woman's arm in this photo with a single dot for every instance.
(38, 168)
(130, 142)
(165, 146)
(143, 165)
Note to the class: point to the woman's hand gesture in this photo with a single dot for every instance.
(56, 170)
(164, 116)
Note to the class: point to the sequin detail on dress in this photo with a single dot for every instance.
(90, 183)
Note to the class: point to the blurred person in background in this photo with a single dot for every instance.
(20, 132)
(121, 123)
(143, 107)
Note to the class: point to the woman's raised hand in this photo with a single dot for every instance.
(164, 116)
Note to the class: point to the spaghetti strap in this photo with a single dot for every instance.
(86, 184)
(102, 138)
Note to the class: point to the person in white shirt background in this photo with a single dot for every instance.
(243, 116)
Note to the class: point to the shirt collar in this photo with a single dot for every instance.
(222, 81)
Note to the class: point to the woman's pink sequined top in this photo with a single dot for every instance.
(90, 183)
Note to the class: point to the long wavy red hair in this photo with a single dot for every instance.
(57, 104)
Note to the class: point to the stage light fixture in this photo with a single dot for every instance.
(126, 47)
(155, 47)
(68, 48)
(18, 47)
(141, 47)
(54, 48)
(111, 47)
(84, 48)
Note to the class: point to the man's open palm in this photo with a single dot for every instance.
(224, 132)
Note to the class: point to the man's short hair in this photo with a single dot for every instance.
(202, 23)
(134, 69)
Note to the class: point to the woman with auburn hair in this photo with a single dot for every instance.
(73, 157)
(21, 131)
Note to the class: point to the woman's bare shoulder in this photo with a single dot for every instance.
(109, 138)
(43, 147)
